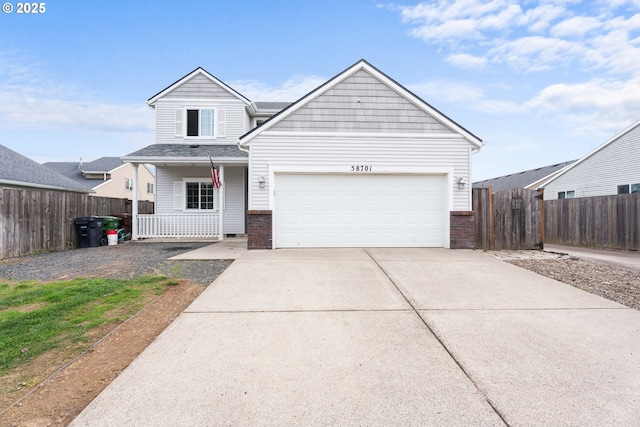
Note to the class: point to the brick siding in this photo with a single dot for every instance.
(259, 229)
(462, 231)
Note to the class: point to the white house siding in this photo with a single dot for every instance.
(234, 193)
(236, 120)
(336, 154)
(599, 175)
(234, 214)
(361, 103)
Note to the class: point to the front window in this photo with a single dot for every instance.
(200, 122)
(635, 188)
(200, 195)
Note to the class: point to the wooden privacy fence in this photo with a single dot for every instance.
(508, 219)
(604, 221)
(33, 221)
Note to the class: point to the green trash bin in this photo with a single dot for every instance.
(110, 223)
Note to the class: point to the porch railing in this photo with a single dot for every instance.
(178, 225)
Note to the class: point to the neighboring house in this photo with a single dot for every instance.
(19, 171)
(108, 177)
(520, 179)
(612, 168)
(359, 161)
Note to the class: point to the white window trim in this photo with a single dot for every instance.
(185, 123)
(185, 181)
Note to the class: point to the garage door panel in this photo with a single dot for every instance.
(318, 210)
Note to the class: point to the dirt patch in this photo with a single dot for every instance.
(34, 401)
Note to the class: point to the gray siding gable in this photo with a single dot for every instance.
(362, 103)
(362, 100)
(199, 84)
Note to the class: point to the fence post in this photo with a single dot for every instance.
(541, 191)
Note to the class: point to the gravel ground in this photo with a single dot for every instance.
(126, 260)
(614, 283)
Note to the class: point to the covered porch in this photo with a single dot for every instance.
(188, 204)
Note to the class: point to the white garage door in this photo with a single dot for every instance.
(323, 210)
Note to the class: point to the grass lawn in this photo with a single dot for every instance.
(37, 317)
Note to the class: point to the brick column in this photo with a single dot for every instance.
(462, 231)
(259, 229)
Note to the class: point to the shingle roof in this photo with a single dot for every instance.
(72, 171)
(520, 179)
(16, 169)
(182, 151)
(103, 164)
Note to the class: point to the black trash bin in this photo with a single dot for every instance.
(89, 231)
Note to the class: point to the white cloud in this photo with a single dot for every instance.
(289, 91)
(465, 60)
(535, 53)
(463, 94)
(575, 26)
(29, 101)
(532, 36)
(593, 106)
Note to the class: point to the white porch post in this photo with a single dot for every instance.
(221, 204)
(134, 204)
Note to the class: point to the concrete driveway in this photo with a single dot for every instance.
(383, 337)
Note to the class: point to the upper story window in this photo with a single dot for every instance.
(149, 188)
(193, 122)
(128, 184)
(200, 122)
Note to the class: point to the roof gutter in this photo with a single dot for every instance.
(44, 186)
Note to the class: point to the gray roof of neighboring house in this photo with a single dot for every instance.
(74, 170)
(520, 179)
(18, 170)
(103, 164)
(183, 151)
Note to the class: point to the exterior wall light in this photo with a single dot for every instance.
(261, 182)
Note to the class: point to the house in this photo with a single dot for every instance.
(108, 177)
(18, 171)
(521, 179)
(612, 168)
(358, 162)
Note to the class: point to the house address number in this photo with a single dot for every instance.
(361, 168)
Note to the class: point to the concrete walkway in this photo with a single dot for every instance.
(229, 248)
(625, 259)
(383, 337)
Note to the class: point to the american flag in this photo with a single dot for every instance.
(215, 175)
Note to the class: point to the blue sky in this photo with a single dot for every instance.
(540, 81)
